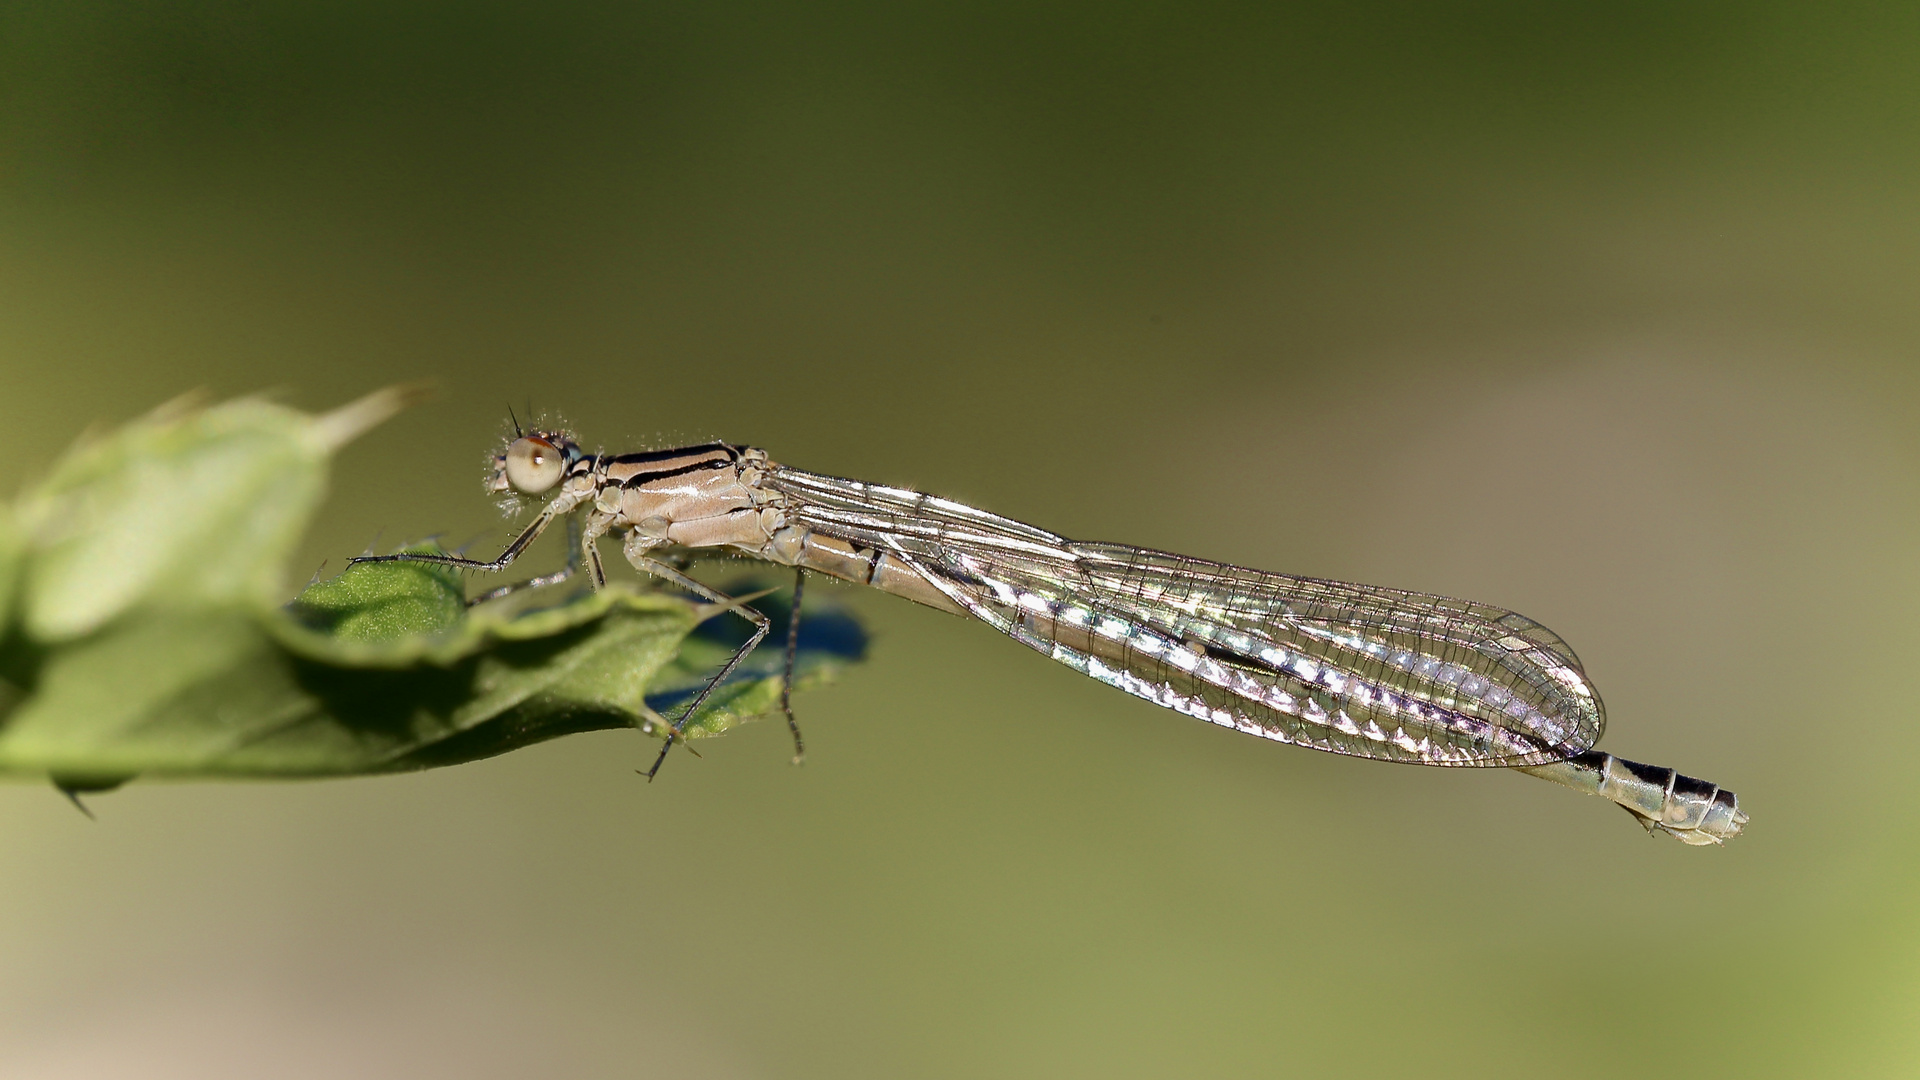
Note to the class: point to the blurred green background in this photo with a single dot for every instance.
(1605, 313)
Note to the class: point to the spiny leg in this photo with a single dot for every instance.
(532, 532)
(636, 548)
(793, 648)
(555, 578)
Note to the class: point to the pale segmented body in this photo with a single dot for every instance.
(1351, 669)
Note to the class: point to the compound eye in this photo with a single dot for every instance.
(534, 464)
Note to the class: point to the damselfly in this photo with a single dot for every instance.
(1352, 669)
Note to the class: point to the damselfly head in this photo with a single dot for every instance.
(533, 463)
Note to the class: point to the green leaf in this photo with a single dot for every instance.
(381, 602)
(177, 669)
(185, 507)
(292, 695)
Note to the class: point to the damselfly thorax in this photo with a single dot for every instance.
(1351, 669)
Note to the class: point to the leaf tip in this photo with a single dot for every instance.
(354, 419)
(178, 407)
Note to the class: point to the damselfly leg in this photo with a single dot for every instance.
(583, 548)
(543, 580)
(786, 679)
(500, 562)
(636, 549)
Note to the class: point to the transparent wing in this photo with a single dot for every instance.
(1351, 669)
(1375, 672)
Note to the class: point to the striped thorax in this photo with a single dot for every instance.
(715, 495)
